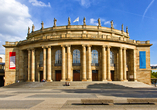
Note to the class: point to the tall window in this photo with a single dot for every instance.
(111, 58)
(76, 56)
(58, 57)
(94, 56)
(41, 59)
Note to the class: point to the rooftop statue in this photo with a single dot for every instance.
(28, 30)
(112, 24)
(55, 20)
(122, 28)
(99, 22)
(42, 25)
(69, 21)
(33, 27)
(84, 21)
(127, 29)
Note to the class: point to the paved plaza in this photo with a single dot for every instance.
(68, 98)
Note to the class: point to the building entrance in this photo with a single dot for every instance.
(112, 75)
(41, 75)
(76, 75)
(58, 75)
(94, 75)
(1, 81)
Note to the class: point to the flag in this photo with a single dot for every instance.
(77, 19)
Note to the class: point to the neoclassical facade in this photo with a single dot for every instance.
(77, 53)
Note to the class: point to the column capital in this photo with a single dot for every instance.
(32, 48)
(120, 47)
(49, 46)
(84, 45)
(29, 49)
(68, 45)
(124, 48)
(104, 46)
(108, 46)
(63, 45)
(44, 47)
(89, 45)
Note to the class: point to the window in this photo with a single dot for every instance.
(41, 59)
(94, 56)
(58, 57)
(111, 58)
(76, 56)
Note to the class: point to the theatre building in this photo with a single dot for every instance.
(77, 53)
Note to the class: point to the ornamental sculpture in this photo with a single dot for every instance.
(69, 21)
(55, 20)
(28, 30)
(99, 22)
(42, 25)
(112, 24)
(33, 27)
(84, 21)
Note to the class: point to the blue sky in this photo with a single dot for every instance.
(139, 15)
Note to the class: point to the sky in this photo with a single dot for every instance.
(139, 15)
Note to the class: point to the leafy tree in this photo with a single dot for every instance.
(153, 74)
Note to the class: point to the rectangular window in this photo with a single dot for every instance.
(142, 55)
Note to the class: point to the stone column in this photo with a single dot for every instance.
(49, 65)
(134, 58)
(44, 62)
(29, 64)
(89, 64)
(63, 63)
(120, 64)
(69, 63)
(108, 64)
(33, 66)
(84, 77)
(124, 64)
(104, 63)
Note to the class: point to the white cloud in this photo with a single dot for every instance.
(93, 21)
(85, 3)
(14, 20)
(39, 3)
(106, 22)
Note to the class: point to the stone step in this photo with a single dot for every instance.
(90, 85)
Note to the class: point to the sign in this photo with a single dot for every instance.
(12, 59)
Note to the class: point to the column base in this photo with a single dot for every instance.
(89, 79)
(49, 80)
(109, 80)
(104, 80)
(135, 80)
(68, 80)
(84, 79)
(63, 80)
(32, 81)
(125, 80)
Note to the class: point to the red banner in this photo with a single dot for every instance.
(12, 59)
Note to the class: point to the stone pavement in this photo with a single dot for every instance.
(70, 99)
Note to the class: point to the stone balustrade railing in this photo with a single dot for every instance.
(94, 37)
(11, 43)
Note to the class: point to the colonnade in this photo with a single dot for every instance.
(86, 67)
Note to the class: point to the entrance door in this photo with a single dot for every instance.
(58, 75)
(1, 81)
(41, 75)
(76, 75)
(94, 75)
(112, 75)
